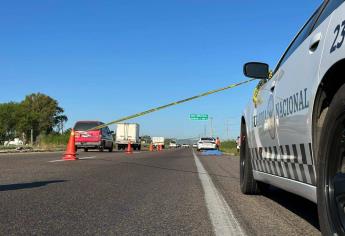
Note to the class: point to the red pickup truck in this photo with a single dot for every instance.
(96, 139)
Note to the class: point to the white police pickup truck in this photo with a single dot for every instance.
(293, 136)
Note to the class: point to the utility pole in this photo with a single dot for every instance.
(227, 129)
(32, 137)
(211, 120)
(61, 127)
(205, 127)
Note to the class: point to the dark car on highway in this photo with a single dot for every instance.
(93, 139)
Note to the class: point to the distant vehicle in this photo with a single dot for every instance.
(173, 144)
(185, 145)
(128, 132)
(207, 143)
(293, 133)
(95, 139)
(156, 141)
(195, 145)
(178, 145)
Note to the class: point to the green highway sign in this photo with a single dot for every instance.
(198, 116)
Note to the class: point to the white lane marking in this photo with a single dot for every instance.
(223, 220)
(81, 158)
(84, 158)
(56, 160)
(30, 152)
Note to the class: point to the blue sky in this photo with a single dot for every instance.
(106, 59)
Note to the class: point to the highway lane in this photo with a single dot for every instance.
(140, 194)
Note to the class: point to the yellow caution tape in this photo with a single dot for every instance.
(171, 104)
(256, 99)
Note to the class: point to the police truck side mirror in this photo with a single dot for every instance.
(256, 70)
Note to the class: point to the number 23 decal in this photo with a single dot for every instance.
(337, 44)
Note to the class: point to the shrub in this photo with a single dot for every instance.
(229, 146)
(53, 140)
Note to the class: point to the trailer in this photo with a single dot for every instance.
(156, 141)
(128, 132)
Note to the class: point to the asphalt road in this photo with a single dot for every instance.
(160, 193)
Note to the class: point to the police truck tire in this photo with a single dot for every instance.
(248, 184)
(330, 168)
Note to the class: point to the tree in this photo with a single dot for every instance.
(38, 112)
(146, 138)
(60, 119)
(8, 120)
(59, 122)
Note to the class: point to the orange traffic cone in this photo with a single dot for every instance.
(70, 154)
(129, 148)
(151, 147)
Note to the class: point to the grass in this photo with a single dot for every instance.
(44, 142)
(53, 141)
(10, 147)
(229, 146)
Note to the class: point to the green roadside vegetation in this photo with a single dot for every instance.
(229, 146)
(37, 121)
(10, 147)
(53, 141)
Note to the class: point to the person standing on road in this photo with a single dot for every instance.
(218, 143)
(238, 143)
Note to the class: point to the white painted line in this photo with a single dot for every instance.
(81, 158)
(84, 158)
(56, 160)
(221, 215)
(23, 154)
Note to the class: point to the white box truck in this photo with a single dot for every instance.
(128, 132)
(156, 141)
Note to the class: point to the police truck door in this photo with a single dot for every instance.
(296, 76)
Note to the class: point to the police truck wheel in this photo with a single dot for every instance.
(331, 168)
(247, 181)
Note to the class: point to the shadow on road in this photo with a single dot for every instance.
(296, 204)
(38, 184)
